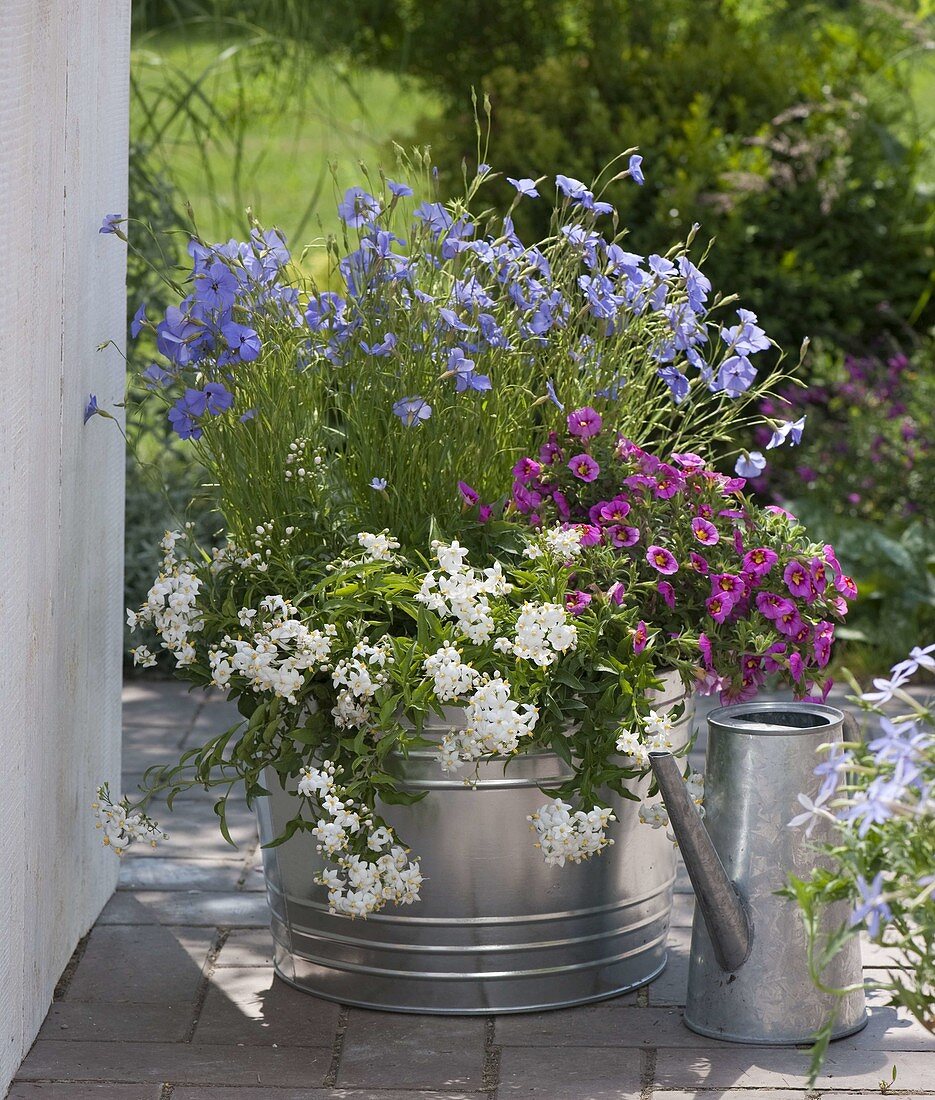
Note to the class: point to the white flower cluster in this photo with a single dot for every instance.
(461, 593)
(121, 826)
(573, 836)
(563, 543)
(357, 886)
(494, 724)
(451, 678)
(279, 652)
(171, 607)
(378, 547)
(655, 814)
(657, 737)
(301, 462)
(357, 679)
(543, 631)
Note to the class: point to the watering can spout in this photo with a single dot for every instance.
(724, 912)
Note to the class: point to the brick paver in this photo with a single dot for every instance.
(172, 997)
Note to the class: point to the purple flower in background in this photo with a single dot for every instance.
(873, 908)
(242, 341)
(635, 169)
(676, 381)
(667, 592)
(358, 207)
(640, 637)
(412, 410)
(771, 606)
(216, 287)
(750, 465)
(735, 376)
(91, 408)
(759, 561)
(577, 601)
(662, 560)
(139, 319)
(248, 415)
(747, 337)
(719, 606)
(379, 483)
(400, 190)
(110, 223)
(184, 414)
(472, 381)
(435, 216)
(584, 467)
(524, 186)
(469, 495)
(584, 422)
(789, 429)
(382, 349)
(218, 398)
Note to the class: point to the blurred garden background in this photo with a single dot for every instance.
(799, 135)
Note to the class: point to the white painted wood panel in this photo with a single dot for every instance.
(63, 150)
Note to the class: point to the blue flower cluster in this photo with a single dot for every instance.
(208, 335)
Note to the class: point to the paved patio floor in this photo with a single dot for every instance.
(172, 997)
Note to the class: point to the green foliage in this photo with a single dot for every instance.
(804, 167)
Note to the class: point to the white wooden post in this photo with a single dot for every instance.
(63, 166)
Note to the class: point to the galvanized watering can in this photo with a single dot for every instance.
(748, 979)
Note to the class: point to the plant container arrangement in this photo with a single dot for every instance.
(476, 559)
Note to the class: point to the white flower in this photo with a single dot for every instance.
(245, 616)
(451, 677)
(378, 547)
(143, 657)
(565, 835)
(885, 689)
(563, 543)
(494, 725)
(542, 632)
(654, 814)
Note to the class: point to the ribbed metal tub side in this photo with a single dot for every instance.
(496, 930)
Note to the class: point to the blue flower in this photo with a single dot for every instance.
(550, 390)
(217, 286)
(735, 376)
(400, 190)
(218, 398)
(750, 465)
(412, 410)
(747, 337)
(358, 207)
(184, 414)
(483, 169)
(435, 216)
(572, 188)
(874, 908)
(636, 172)
(524, 186)
(379, 483)
(789, 429)
(382, 349)
(91, 408)
(248, 415)
(676, 381)
(139, 319)
(468, 380)
(156, 376)
(111, 223)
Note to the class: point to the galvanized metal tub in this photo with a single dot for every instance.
(496, 930)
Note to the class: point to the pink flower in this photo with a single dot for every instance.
(590, 534)
(561, 504)
(615, 511)
(771, 606)
(667, 592)
(799, 580)
(704, 644)
(823, 640)
(640, 637)
(819, 692)
(759, 561)
(550, 452)
(584, 422)
(616, 593)
(662, 560)
(584, 467)
(829, 556)
(470, 495)
(727, 584)
(484, 512)
(576, 602)
(789, 622)
(526, 469)
(669, 482)
(621, 536)
(796, 666)
(698, 563)
(689, 461)
(719, 606)
(705, 532)
(775, 510)
(846, 586)
(819, 574)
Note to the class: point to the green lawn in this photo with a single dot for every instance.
(236, 126)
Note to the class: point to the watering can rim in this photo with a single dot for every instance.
(728, 719)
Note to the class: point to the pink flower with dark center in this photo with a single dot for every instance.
(590, 534)
(698, 563)
(706, 533)
(576, 602)
(727, 584)
(704, 644)
(550, 452)
(759, 561)
(584, 467)
(819, 574)
(669, 482)
(584, 422)
(823, 640)
(799, 580)
(484, 512)
(771, 606)
(662, 560)
(621, 536)
(667, 592)
(616, 593)
(705, 511)
(772, 658)
(839, 605)
(526, 500)
(689, 461)
(789, 622)
(640, 637)
(819, 692)
(615, 511)
(594, 512)
(846, 586)
(526, 469)
(796, 666)
(468, 494)
(719, 606)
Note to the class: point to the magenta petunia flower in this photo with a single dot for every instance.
(819, 574)
(640, 637)
(526, 469)
(704, 644)
(614, 511)
(799, 580)
(789, 622)
(484, 512)
(622, 536)
(584, 467)
(759, 561)
(822, 642)
(576, 602)
(616, 593)
(468, 494)
(590, 534)
(719, 606)
(561, 505)
(584, 422)
(689, 461)
(706, 533)
(698, 563)
(771, 606)
(550, 452)
(662, 560)
(727, 584)
(846, 586)
(667, 592)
